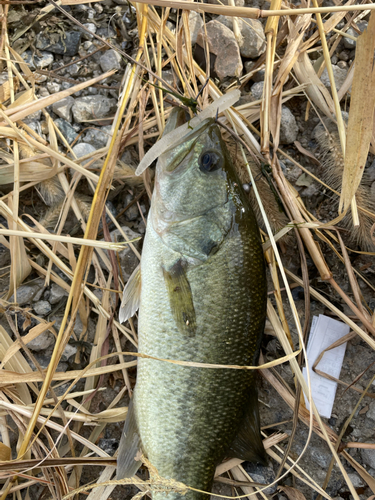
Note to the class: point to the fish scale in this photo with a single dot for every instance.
(202, 299)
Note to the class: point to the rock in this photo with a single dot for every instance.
(64, 44)
(339, 76)
(56, 293)
(41, 342)
(42, 307)
(66, 129)
(53, 87)
(83, 149)
(91, 27)
(371, 411)
(109, 445)
(356, 480)
(261, 474)
(368, 456)
(63, 108)
(288, 126)
(348, 42)
(344, 55)
(40, 61)
(111, 59)
(98, 137)
(128, 260)
(74, 69)
(106, 32)
(91, 107)
(195, 24)
(33, 120)
(132, 212)
(257, 90)
(253, 42)
(69, 351)
(342, 65)
(26, 293)
(370, 172)
(222, 43)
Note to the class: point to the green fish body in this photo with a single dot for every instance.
(201, 292)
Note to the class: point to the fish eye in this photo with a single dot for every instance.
(210, 161)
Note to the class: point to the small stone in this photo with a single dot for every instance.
(344, 56)
(371, 411)
(33, 119)
(83, 149)
(66, 129)
(222, 43)
(40, 61)
(91, 27)
(56, 294)
(68, 352)
(261, 474)
(253, 42)
(98, 137)
(42, 307)
(109, 445)
(63, 108)
(41, 342)
(348, 42)
(356, 480)
(339, 76)
(26, 293)
(66, 44)
(91, 108)
(195, 24)
(257, 90)
(370, 172)
(132, 212)
(111, 59)
(43, 92)
(368, 456)
(53, 87)
(334, 59)
(4, 256)
(342, 64)
(74, 69)
(288, 126)
(107, 32)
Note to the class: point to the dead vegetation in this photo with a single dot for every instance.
(47, 431)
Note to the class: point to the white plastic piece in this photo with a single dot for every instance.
(324, 332)
(218, 106)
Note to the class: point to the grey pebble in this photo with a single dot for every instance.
(42, 307)
(69, 351)
(91, 107)
(40, 61)
(288, 126)
(53, 87)
(128, 260)
(63, 108)
(83, 149)
(253, 42)
(111, 59)
(56, 293)
(261, 474)
(41, 342)
(195, 24)
(26, 293)
(368, 456)
(98, 137)
(66, 44)
(257, 90)
(66, 129)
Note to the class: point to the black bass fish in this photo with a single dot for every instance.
(201, 293)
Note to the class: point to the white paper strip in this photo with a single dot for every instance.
(324, 332)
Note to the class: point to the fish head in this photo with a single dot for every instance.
(193, 205)
(191, 176)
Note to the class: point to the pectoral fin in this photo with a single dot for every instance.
(180, 298)
(248, 444)
(130, 445)
(131, 296)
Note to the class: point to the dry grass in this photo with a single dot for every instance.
(27, 396)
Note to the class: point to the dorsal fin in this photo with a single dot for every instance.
(131, 296)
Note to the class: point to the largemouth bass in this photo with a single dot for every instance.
(201, 293)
